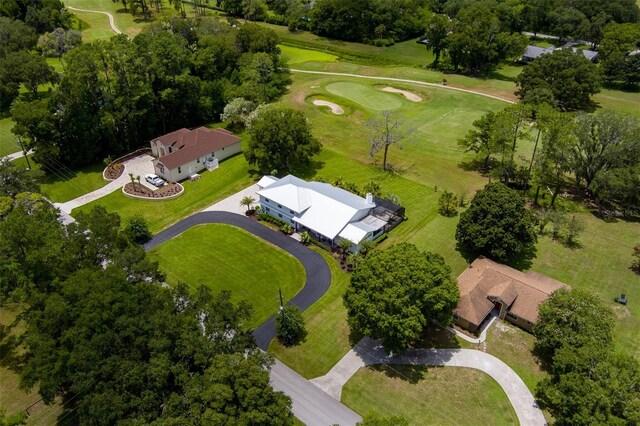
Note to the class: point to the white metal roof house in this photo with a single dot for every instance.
(533, 52)
(328, 213)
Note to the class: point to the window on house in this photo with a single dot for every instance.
(170, 150)
(291, 211)
(179, 169)
(161, 167)
(198, 160)
(279, 214)
(266, 200)
(279, 206)
(267, 209)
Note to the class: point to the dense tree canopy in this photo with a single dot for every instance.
(617, 65)
(588, 382)
(116, 95)
(572, 319)
(497, 225)
(395, 292)
(363, 20)
(563, 78)
(281, 141)
(104, 335)
(41, 15)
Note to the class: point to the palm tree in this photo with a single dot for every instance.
(133, 180)
(138, 179)
(344, 246)
(247, 202)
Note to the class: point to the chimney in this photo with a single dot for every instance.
(369, 198)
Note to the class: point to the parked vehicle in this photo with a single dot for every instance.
(154, 180)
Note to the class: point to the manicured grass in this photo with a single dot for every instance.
(429, 395)
(93, 26)
(230, 177)
(61, 184)
(600, 265)
(430, 155)
(12, 398)
(364, 95)
(328, 337)
(125, 21)
(8, 143)
(293, 55)
(223, 257)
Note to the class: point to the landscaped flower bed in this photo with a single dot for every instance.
(170, 190)
(113, 171)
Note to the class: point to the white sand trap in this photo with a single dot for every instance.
(409, 95)
(335, 108)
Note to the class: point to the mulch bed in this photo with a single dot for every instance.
(114, 171)
(142, 191)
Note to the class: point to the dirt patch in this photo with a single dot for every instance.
(140, 190)
(335, 108)
(409, 95)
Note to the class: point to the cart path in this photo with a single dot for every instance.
(316, 268)
(370, 352)
(112, 21)
(404, 80)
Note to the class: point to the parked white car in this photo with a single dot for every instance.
(154, 180)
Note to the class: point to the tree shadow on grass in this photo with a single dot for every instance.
(478, 165)
(521, 262)
(308, 171)
(436, 337)
(10, 356)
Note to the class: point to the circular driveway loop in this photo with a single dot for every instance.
(316, 268)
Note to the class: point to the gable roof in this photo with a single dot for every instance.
(521, 292)
(319, 206)
(187, 145)
(535, 51)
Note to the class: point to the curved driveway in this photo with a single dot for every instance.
(370, 352)
(316, 268)
(112, 21)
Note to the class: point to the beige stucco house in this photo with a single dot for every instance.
(183, 153)
(487, 285)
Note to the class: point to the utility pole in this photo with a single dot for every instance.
(281, 304)
(24, 152)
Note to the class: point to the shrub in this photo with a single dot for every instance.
(635, 266)
(305, 238)
(381, 238)
(286, 229)
(574, 228)
(290, 325)
(320, 245)
(447, 204)
(137, 229)
(266, 217)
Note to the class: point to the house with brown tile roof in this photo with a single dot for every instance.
(487, 285)
(185, 152)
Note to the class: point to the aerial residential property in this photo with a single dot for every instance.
(184, 152)
(516, 296)
(328, 213)
(320, 212)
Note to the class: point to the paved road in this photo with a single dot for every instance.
(112, 21)
(16, 155)
(316, 268)
(404, 80)
(370, 352)
(311, 405)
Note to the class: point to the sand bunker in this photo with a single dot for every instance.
(335, 108)
(409, 95)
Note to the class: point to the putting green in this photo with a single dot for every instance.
(365, 96)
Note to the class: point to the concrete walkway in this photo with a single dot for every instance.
(231, 204)
(16, 155)
(370, 352)
(112, 21)
(404, 80)
(139, 166)
(479, 339)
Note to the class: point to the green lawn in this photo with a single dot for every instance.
(8, 143)
(126, 22)
(224, 257)
(429, 395)
(293, 55)
(328, 337)
(231, 177)
(12, 398)
(364, 96)
(62, 184)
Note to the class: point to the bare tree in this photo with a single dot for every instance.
(386, 130)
